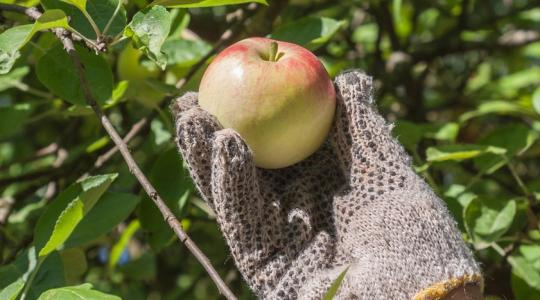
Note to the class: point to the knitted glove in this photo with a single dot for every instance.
(355, 203)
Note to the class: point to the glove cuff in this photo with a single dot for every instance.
(441, 289)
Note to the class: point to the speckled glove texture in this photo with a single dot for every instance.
(355, 203)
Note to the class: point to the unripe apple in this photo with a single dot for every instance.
(276, 95)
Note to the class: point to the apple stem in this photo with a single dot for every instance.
(273, 52)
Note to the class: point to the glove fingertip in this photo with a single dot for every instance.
(354, 85)
(231, 152)
(183, 103)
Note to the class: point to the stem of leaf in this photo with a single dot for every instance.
(498, 248)
(89, 41)
(92, 23)
(117, 41)
(427, 176)
(26, 88)
(106, 29)
(520, 183)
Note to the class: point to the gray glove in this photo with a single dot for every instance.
(355, 203)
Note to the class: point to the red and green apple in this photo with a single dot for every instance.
(276, 95)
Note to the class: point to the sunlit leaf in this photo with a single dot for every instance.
(203, 3)
(121, 245)
(15, 38)
(460, 152)
(79, 292)
(486, 220)
(536, 100)
(67, 210)
(148, 30)
(50, 273)
(80, 4)
(495, 107)
(108, 212)
(11, 291)
(184, 53)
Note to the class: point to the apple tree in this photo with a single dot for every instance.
(96, 202)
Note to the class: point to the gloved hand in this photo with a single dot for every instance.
(355, 203)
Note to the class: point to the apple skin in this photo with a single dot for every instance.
(283, 109)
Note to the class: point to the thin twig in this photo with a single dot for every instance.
(133, 167)
(112, 17)
(135, 129)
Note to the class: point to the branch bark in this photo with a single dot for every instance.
(67, 42)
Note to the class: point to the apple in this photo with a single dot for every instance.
(276, 95)
(130, 67)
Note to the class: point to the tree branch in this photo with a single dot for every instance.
(122, 147)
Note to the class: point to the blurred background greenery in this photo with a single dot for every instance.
(459, 78)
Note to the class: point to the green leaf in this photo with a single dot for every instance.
(74, 261)
(148, 30)
(80, 4)
(11, 291)
(172, 182)
(486, 220)
(67, 210)
(460, 152)
(100, 11)
(185, 53)
(366, 35)
(522, 268)
(410, 134)
(108, 212)
(12, 118)
(13, 78)
(522, 290)
(78, 292)
(310, 32)
(58, 73)
(396, 10)
(532, 254)
(335, 285)
(50, 273)
(515, 138)
(11, 41)
(495, 107)
(161, 134)
(509, 85)
(15, 38)
(334, 66)
(536, 100)
(446, 132)
(54, 18)
(203, 3)
(119, 247)
(20, 269)
(180, 20)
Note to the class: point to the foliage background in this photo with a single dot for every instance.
(460, 79)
